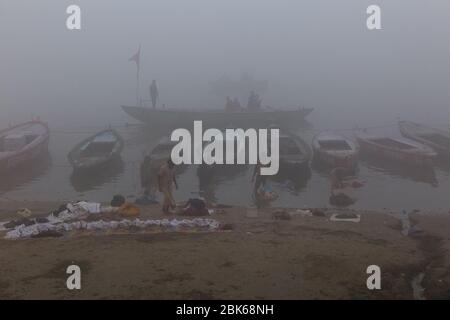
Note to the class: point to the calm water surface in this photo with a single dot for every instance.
(386, 185)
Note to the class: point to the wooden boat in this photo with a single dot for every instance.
(22, 144)
(208, 171)
(437, 139)
(96, 150)
(174, 118)
(398, 149)
(335, 150)
(396, 169)
(295, 154)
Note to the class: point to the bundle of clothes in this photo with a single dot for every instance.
(195, 207)
(72, 217)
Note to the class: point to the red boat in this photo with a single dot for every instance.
(22, 144)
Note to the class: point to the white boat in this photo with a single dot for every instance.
(335, 150)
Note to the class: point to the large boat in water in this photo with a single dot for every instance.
(179, 118)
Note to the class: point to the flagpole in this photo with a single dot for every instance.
(138, 103)
(137, 59)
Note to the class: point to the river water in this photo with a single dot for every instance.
(386, 186)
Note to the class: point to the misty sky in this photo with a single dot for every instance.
(313, 53)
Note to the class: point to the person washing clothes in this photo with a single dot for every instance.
(166, 176)
(258, 179)
(341, 193)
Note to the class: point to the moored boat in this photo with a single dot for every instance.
(437, 139)
(22, 144)
(207, 171)
(175, 118)
(335, 150)
(397, 149)
(295, 154)
(97, 150)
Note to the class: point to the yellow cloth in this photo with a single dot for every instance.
(129, 210)
(168, 202)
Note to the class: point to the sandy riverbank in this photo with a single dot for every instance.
(261, 258)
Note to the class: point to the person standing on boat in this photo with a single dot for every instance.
(229, 104)
(254, 102)
(154, 94)
(236, 105)
(166, 176)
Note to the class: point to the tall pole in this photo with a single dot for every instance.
(138, 103)
(137, 59)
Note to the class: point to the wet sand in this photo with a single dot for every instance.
(260, 258)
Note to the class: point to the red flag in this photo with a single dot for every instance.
(137, 57)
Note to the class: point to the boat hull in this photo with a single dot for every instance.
(217, 119)
(333, 160)
(345, 157)
(416, 158)
(91, 163)
(294, 164)
(419, 133)
(29, 153)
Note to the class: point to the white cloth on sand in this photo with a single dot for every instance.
(23, 231)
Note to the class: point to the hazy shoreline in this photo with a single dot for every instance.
(306, 257)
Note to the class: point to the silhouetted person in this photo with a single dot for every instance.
(254, 102)
(154, 95)
(258, 179)
(166, 177)
(236, 104)
(229, 105)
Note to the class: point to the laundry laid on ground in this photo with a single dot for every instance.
(146, 200)
(195, 207)
(117, 200)
(129, 210)
(34, 230)
(24, 212)
(75, 216)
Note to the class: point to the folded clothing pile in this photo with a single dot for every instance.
(77, 210)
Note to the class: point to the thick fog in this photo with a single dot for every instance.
(313, 53)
